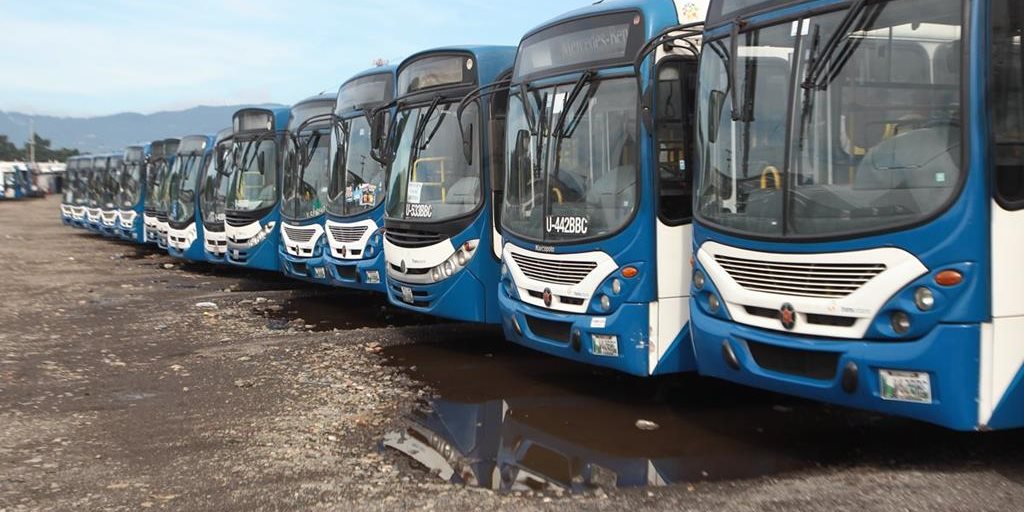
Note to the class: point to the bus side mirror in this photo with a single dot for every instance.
(716, 101)
(377, 136)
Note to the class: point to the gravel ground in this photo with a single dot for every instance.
(131, 381)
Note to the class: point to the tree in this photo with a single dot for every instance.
(8, 151)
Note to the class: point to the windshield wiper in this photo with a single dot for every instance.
(809, 89)
(586, 78)
(421, 123)
(817, 67)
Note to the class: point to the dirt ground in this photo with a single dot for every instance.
(129, 380)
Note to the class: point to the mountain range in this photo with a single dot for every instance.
(114, 132)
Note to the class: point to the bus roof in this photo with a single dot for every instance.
(378, 70)
(658, 14)
(491, 60)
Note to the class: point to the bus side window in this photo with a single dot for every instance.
(1007, 90)
(673, 121)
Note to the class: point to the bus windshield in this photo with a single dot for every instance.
(82, 183)
(131, 178)
(430, 178)
(155, 171)
(215, 186)
(71, 176)
(254, 178)
(305, 186)
(357, 180)
(872, 140)
(578, 179)
(183, 185)
(112, 190)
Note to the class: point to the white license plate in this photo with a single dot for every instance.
(373, 277)
(407, 294)
(897, 386)
(320, 272)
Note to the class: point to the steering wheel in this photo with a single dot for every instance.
(771, 170)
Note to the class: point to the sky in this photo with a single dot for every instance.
(98, 57)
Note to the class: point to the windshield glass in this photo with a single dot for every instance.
(357, 180)
(430, 179)
(131, 180)
(579, 180)
(82, 184)
(112, 188)
(305, 186)
(155, 170)
(872, 142)
(183, 185)
(215, 186)
(70, 176)
(169, 180)
(254, 179)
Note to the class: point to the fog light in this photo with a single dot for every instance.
(373, 277)
(698, 279)
(924, 298)
(461, 256)
(714, 303)
(435, 274)
(504, 269)
(449, 269)
(616, 286)
(900, 322)
(605, 345)
(606, 303)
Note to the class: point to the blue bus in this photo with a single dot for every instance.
(213, 196)
(596, 215)
(858, 202)
(111, 190)
(68, 194)
(305, 180)
(132, 197)
(163, 202)
(441, 242)
(184, 220)
(80, 207)
(156, 169)
(354, 226)
(16, 182)
(253, 207)
(96, 184)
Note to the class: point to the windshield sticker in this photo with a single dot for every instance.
(567, 225)
(367, 194)
(559, 103)
(419, 211)
(414, 191)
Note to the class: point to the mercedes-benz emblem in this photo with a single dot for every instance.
(787, 314)
(547, 296)
(403, 268)
(344, 252)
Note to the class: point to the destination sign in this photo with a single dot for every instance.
(254, 120)
(364, 91)
(601, 41)
(726, 10)
(192, 144)
(306, 111)
(436, 71)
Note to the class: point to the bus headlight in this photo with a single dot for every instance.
(606, 302)
(616, 286)
(900, 322)
(455, 263)
(698, 279)
(713, 303)
(924, 299)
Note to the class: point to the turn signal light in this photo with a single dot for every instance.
(949, 278)
(630, 272)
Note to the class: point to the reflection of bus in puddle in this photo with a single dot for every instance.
(539, 444)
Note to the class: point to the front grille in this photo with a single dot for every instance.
(347, 272)
(815, 319)
(238, 221)
(554, 271)
(162, 217)
(413, 238)
(550, 329)
(825, 280)
(802, 363)
(347, 234)
(299, 235)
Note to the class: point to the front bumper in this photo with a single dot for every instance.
(358, 274)
(823, 369)
(574, 332)
(461, 297)
(312, 270)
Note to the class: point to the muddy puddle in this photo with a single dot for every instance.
(341, 310)
(512, 420)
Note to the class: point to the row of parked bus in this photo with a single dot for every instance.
(819, 197)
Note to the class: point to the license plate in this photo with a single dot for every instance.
(407, 294)
(914, 387)
(320, 272)
(373, 277)
(605, 345)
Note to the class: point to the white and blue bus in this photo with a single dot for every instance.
(111, 191)
(131, 199)
(161, 157)
(96, 182)
(252, 212)
(354, 225)
(185, 238)
(858, 205)
(305, 186)
(441, 242)
(69, 192)
(213, 196)
(77, 183)
(597, 200)
(163, 202)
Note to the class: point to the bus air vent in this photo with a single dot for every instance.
(411, 238)
(347, 234)
(794, 278)
(299, 235)
(565, 272)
